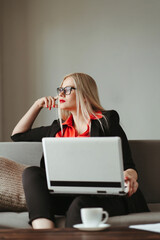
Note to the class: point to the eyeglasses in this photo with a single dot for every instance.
(65, 91)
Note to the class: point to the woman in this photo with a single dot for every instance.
(80, 115)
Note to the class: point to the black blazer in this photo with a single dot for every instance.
(111, 127)
(135, 203)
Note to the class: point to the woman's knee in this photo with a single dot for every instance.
(80, 202)
(73, 213)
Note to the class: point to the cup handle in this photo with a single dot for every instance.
(106, 217)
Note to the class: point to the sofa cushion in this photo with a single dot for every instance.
(11, 191)
(14, 220)
(135, 218)
(7, 219)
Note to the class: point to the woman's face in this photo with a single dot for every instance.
(68, 102)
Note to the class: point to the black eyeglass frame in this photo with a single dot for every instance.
(60, 90)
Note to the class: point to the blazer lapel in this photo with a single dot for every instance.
(96, 128)
(54, 129)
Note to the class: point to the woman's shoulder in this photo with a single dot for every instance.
(111, 116)
(55, 122)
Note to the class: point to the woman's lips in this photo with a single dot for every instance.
(61, 101)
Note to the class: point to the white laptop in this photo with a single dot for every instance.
(91, 165)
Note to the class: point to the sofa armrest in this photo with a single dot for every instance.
(146, 155)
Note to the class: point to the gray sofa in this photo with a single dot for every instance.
(146, 155)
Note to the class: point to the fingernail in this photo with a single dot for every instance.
(47, 106)
(53, 106)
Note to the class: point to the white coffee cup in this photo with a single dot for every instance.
(92, 217)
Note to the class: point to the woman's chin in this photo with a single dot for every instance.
(64, 108)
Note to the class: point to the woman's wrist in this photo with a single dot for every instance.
(38, 105)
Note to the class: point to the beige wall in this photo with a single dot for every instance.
(115, 41)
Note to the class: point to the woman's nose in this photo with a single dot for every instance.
(61, 94)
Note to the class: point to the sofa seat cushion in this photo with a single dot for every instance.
(135, 218)
(7, 219)
(11, 191)
(124, 220)
(14, 220)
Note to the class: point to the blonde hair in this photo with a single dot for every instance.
(87, 97)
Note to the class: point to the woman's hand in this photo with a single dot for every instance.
(47, 102)
(130, 177)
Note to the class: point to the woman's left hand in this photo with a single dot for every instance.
(130, 177)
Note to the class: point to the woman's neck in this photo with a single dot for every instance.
(79, 122)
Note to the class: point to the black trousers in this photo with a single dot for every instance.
(42, 204)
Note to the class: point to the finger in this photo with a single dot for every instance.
(45, 102)
(54, 103)
(134, 186)
(50, 102)
(126, 178)
(129, 188)
(127, 182)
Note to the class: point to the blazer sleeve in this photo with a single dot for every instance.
(116, 130)
(32, 135)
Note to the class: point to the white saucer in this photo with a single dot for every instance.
(98, 228)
